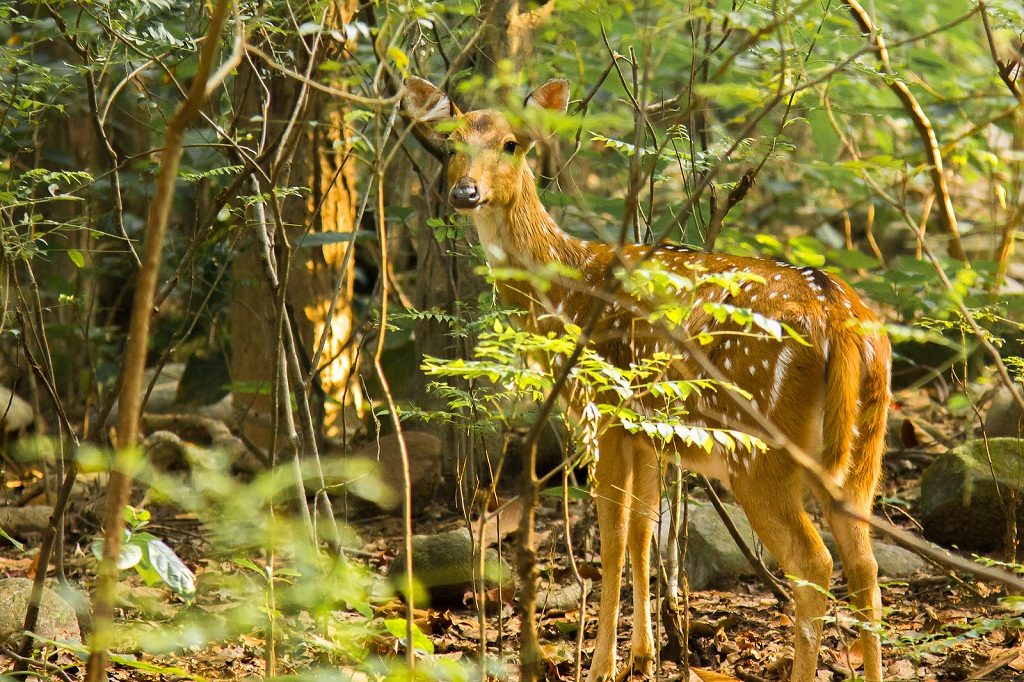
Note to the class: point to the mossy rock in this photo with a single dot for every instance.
(964, 491)
(444, 565)
(57, 618)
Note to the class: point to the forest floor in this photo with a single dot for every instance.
(938, 626)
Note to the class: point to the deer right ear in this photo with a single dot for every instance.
(428, 106)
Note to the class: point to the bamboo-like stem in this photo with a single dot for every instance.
(119, 485)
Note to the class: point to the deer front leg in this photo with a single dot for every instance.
(611, 492)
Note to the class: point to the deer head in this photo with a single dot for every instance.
(486, 152)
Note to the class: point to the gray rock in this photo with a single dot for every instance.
(17, 521)
(374, 470)
(15, 413)
(57, 619)
(162, 398)
(961, 492)
(444, 565)
(712, 558)
(714, 561)
(1005, 418)
(559, 598)
(896, 562)
(893, 560)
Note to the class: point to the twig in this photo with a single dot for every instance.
(368, 102)
(1005, 69)
(403, 449)
(983, 672)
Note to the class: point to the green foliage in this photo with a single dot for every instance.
(512, 365)
(152, 558)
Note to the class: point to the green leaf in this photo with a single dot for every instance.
(958, 404)
(129, 556)
(76, 257)
(825, 138)
(5, 536)
(573, 492)
(420, 642)
(171, 569)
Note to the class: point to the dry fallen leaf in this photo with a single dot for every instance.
(851, 656)
(901, 670)
(498, 526)
(701, 675)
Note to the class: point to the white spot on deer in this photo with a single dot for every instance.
(752, 370)
(821, 298)
(728, 363)
(766, 363)
(779, 377)
(728, 344)
(777, 277)
(773, 294)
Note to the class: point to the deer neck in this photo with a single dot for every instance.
(522, 234)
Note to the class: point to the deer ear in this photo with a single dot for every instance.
(553, 96)
(428, 106)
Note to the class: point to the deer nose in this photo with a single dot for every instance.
(465, 194)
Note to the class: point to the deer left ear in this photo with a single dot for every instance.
(553, 96)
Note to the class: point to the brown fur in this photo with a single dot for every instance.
(829, 398)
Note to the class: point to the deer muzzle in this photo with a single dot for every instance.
(465, 194)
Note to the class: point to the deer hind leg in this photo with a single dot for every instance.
(643, 512)
(613, 476)
(776, 512)
(853, 540)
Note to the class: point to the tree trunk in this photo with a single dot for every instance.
(321, 274)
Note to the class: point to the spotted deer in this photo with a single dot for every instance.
(827, 396)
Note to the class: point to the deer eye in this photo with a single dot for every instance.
(451, 152)
(510, 147)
